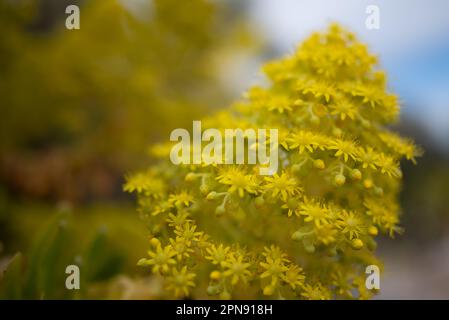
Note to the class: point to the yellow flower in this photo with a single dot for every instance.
(273, 268)
(344, 108)
(145, 183)
(320, 89)
(179, 219)
(390, 222)
(294, 276)
(371, 95)
(368, 157)
(182, 248)
(236, 268)
(314, 212)
(161, 259)
(181, 198)
(291, 205)
(342, 284)
(284, 185)
(304, 140)
(274, 252)
(325, 234)
(351, 224)
(400, 145)
(316, 292)
(138, 182)
(347, 149)
(217, 255)
(238, 181)
(338, 172)
(179, 281)
(388, 165)
(280, 104)
(384, 215)
(187, 233)
(162, 207)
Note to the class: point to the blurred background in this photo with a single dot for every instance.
(79, 109)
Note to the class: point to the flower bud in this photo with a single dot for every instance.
(259, 201)
(357, 244)
(337, 132)
(268, 290)
(204, 189)
(356, 174)
(368, 183)
(215, 275)
(190, 176)
(213, 290)
(220, 210)
(212, 195)
(339, 179)
(373, 231)
(319, 164)
(378, 191)
(155, 242)
(297, 235)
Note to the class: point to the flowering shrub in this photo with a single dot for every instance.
(309, 230)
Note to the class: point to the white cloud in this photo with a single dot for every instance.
(405, 24)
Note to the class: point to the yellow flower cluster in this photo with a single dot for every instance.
(309, 230)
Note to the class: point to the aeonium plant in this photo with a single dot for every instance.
(308, 231)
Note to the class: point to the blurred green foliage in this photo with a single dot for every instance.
(102, 250)
(89, 101)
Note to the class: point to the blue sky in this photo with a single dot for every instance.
(412, 42)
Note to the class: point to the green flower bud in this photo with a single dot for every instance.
(212, 195)
(204, 189)
(378, 191)
(357, 244)
(319, 164)
(297, 235)
(213, 290)
(191, 176)
(339, 179)
(220, 210)
(259, 201)
(356, 174)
